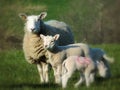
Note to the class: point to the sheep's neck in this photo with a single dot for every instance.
(53, 54)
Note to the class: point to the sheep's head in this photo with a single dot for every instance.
(34, 22)
(102, 69)
(49, 41)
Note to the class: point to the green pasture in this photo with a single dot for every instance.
(17, 74)
(82, 16)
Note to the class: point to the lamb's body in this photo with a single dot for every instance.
(33, 44)
(59, 53)
(84, 65)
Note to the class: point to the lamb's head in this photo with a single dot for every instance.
(102, 69)
(49, 42)
(33, 23)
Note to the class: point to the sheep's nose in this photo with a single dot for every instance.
(46, 46)
(32, 29)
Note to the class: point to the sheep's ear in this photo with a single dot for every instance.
(42, 15)
(56, 36)
(23, 16)
(42, 36)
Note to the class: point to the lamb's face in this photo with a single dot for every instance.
(102, 69)
(49, 42)
(33, 23)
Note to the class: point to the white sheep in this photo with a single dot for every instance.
(57, 53)
(84, 65)
(33, 44)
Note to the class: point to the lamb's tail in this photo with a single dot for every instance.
(109, 59)
(64, 69)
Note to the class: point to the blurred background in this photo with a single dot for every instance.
(95, 21)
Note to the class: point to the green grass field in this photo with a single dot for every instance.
(17, 74)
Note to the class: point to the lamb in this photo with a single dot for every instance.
(84, 65)
(57, 53)
(98, 54)
(33, 44)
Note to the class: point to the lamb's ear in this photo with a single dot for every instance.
(42, 36)
(56, 36)
(42, 15)
(23, 16)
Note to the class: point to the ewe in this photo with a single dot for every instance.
(56, 54)
(33, 44)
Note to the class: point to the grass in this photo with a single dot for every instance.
(17, 74)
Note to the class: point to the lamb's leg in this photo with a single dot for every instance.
(45, 72)
(87, 73)
(40, 70)
(92, 77)
(57, 73)
(87, 78)
(65, 78)
(82, 78)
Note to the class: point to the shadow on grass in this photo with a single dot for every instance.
(21, 85)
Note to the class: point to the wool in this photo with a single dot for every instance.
(33, 44)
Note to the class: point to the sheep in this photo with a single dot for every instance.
(57, 53)
(33, 44)
(84, 65)
(98, 54)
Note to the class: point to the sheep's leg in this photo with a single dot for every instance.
(87, 78)
(92, 77)
(45, 72)
(57, 73)
(65, 77)
(87, 73)
(82, 78)
(40, 70)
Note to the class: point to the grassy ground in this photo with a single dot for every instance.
(17, 74)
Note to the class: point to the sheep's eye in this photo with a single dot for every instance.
(52, 41)
(38, 19)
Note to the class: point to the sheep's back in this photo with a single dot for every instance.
(55, 27)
